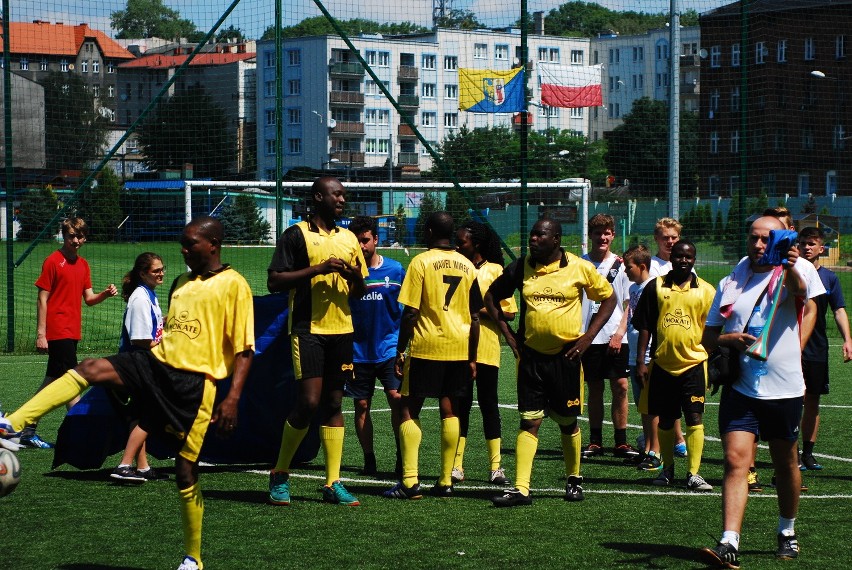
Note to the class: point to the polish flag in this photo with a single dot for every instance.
(570, 86)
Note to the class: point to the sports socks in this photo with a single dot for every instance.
(410, 435)
(525, 449)
(290, 440)
(787, 527)
(694, 446)
(62, 390)
(596, 435)
(459, 462)
(667, 437)
(731, 537)
(192, 511)
(332, 447)
(571, 448)
(494, 456)
(449, 444)
(620, 436)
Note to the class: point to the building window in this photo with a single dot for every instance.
(110, 67)
(715, 56)
(577, 57)
(735, 99)
(451, 63)
(554, 55)
(371, 88)
(269, 89)
(714, 184)
(269, 59)
(370, 146)
(84, 67)
(804, 183)
(429, 90)
(735, 142)
(294, 57)
(96, 66)
(294, 87)
(270, 117)
(638, 53)
(689, 48)
(370, 116)
(662, 51)
(714, 103)
(96, 91)
(733, 185)
(294, 116)
(840, 47)
(542, 54)
(714, 143)
(576, 113)
(480, 51)
(428, 119)
(294, 146)
(807, 139)
(384, 117)
(451, 120)
(429, 61)
(451, 91)
(424, 151)
(110, 91)
(760, 52)
(810, 49)
(501, 52)
(735, 55)
(839, 142)
(370, 57)
(383, 59)
(43, 65)
(383, 146)
(269, 146)
(781, 56)
(25, 64)
(63, 66)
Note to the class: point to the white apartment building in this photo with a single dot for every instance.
(336, 117)
(639, 66)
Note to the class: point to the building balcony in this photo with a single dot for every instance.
(405, 131)
(347, 157)
(690, 88)
(408, 101)
(346, 128)
(408, 159)
(346, 69)
(691, 60)
(407, 73)
(346, 98)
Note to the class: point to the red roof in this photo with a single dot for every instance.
(168, 61)
(44, 38)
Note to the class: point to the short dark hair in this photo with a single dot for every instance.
(210, 227)
(361, 224)
(441, 224)
(638, 255)
(485, 240)
(683, 242)
(811, 232)
(557, 226)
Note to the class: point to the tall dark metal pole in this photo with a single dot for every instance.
(743, 146)
(10, 196)
(524, 222)
(279, 119)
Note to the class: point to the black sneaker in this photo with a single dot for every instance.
(627, 451)
(808, 463)
(592, 450)
(788, 547)
(512, 498)
(574, 489)
(442, 491)
(651, 462)
(665, 477)
(400, 491)
(127, 474)
(723, 555)
(152, 474)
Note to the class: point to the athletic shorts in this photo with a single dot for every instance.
(599, 365)
(61, 356)
(767, 419)
(326, 356)
(549, 383)
(168, 400)
(816, 376)
(635, 385)
(366, 374)
(423, 378)
(669, 396)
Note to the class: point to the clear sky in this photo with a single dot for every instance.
(254, 16)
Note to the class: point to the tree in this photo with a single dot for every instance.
(428, 205)
(151, 18)
(638, 149)
(232, 32)
(460, 20)
(401, 230)
(75, 132)
(320, 26)
(189, 128)
(479, 155)
(99, 205)
(38, 206)
(243, 221)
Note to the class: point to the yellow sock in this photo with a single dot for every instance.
(192, 511)
(666, 438)
(494, 456)
(694, 447)
(459, 462)
(524, 454)
(409, 444)
(62, 390)
(332, 446)
(571, 447)
(290, 440)
(449, 445)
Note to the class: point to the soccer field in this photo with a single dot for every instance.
(78, 519)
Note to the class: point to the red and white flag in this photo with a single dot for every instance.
(570, 86)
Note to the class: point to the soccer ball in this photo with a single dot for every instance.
(10, 472)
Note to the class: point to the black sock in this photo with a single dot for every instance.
(807, 448)
(620, 437)
(596, 435)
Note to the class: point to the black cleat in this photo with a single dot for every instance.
(511, 498)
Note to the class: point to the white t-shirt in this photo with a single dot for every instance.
(809, 274)
(621, 290)
(659, 266)
(632, 333)
(783, 378)
(143, 319)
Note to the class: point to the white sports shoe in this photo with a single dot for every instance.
(458, 475)
(6, 429)
(697, 483)
(189, 563)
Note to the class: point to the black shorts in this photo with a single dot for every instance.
(599, 365)
(326, 356)
(549, 383)
(61, 356)
(768, 419)
(669, 396)
(366, 374)
(434, 378)
(166, 399)
(816, 377)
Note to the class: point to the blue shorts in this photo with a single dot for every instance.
(366, 374)
(816, 377)
(767, 419)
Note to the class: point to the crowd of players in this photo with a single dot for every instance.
(433, 331)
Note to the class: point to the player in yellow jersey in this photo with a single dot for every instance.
(549, 344)
(480, 244)
(208, 336)
(441, 322)
(321, 265)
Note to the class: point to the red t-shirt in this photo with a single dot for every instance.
(65, 281)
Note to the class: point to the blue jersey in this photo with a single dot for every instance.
(376, 315)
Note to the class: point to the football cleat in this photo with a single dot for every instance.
(754, 484)
(697, 483)
(458, 475)
(665, 478)
(498, 477)
(189, 563)
(723, 555)
(279, 488)
(337, 494)
(512, 498)
(591, 450)
(127, 474)
(788, 547)
(400, 491)
(574, 489)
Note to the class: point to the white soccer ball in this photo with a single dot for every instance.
(10, 472)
